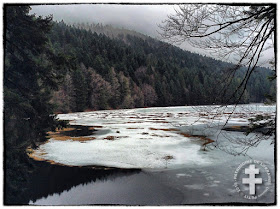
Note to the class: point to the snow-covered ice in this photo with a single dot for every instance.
(146, 137)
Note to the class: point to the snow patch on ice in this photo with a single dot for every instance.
(195, 186)
(178, 175)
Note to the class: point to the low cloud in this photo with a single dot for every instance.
(141, 18)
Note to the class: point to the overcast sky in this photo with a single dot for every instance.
(141, 18)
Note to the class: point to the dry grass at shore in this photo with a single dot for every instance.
(61, 135)
(164, 129)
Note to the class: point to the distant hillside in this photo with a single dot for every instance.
(110, 31)
(119, 68)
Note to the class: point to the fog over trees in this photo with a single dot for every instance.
(141, 18)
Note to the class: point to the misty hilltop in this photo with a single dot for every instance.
(142, 18)
(109, 30)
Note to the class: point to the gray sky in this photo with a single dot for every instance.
(141, 18)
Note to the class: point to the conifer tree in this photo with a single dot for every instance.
(30, 74)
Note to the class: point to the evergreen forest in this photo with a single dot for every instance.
(112, 70)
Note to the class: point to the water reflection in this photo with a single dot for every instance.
(50, 179)
(136, 189)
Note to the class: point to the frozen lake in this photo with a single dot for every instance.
(163, 143)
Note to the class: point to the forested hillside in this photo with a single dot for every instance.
(109, 30)
(127, 71)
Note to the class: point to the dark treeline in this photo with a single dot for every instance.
(32, 70)
(129, 71)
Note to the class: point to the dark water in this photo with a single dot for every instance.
(62, 185)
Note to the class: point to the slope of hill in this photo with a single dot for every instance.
(131, 70)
